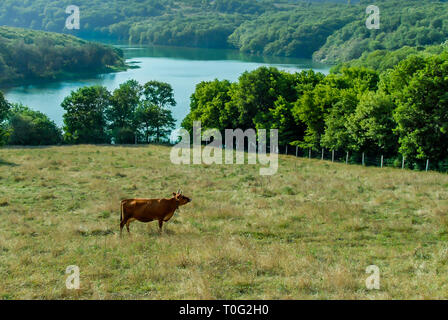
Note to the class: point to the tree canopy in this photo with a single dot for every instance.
(4, 109)
(130, 112)
(121, 111)
(32, 128)
(84, 120)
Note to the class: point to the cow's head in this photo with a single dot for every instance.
(181, 198)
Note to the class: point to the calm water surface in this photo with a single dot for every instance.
(180, 67)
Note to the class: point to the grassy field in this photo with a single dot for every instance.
(307, 232)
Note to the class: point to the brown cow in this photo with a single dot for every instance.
(146, 210)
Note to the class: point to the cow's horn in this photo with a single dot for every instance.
(178, 191)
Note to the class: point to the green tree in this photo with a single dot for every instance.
(360, 79)
(422, 110)
(394, 81)
(352, 83)
(207, 104)
(4, 109)
(372, 125)
(280, 116)
(311, 109)
(32, 128)
(84, 120)
(155, 121)
(159, 93)
(153, 115)
(256, 92)
(121, 111)
(336, 135)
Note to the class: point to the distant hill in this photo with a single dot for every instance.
(330, 31)
(403, 23)
(337, 32)
(27, 55)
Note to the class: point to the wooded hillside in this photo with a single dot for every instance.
(331, 31)
(27, 55)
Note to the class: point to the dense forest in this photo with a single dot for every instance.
(27, 55)
(401, 111)
(382, 60)
(331, 31)
(403, 23)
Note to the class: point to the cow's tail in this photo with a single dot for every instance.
(122, 211)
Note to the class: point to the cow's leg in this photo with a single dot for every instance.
(160, 226)
(127, 225)
(122, 223)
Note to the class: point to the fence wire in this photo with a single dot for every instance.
(365, 159)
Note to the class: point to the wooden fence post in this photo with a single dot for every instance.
(322, 153)
(286, 149)
(427, 165)
(346, 159)
(309, 153)
(332, 155)
(402, 164)
(382, 159)
(297, 151)
(363, 162)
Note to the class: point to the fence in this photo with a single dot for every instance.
(365, 159)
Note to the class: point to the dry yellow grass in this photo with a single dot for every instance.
(307, 232)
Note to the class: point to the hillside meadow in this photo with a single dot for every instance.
(308, 232)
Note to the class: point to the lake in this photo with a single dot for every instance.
(183, 68)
